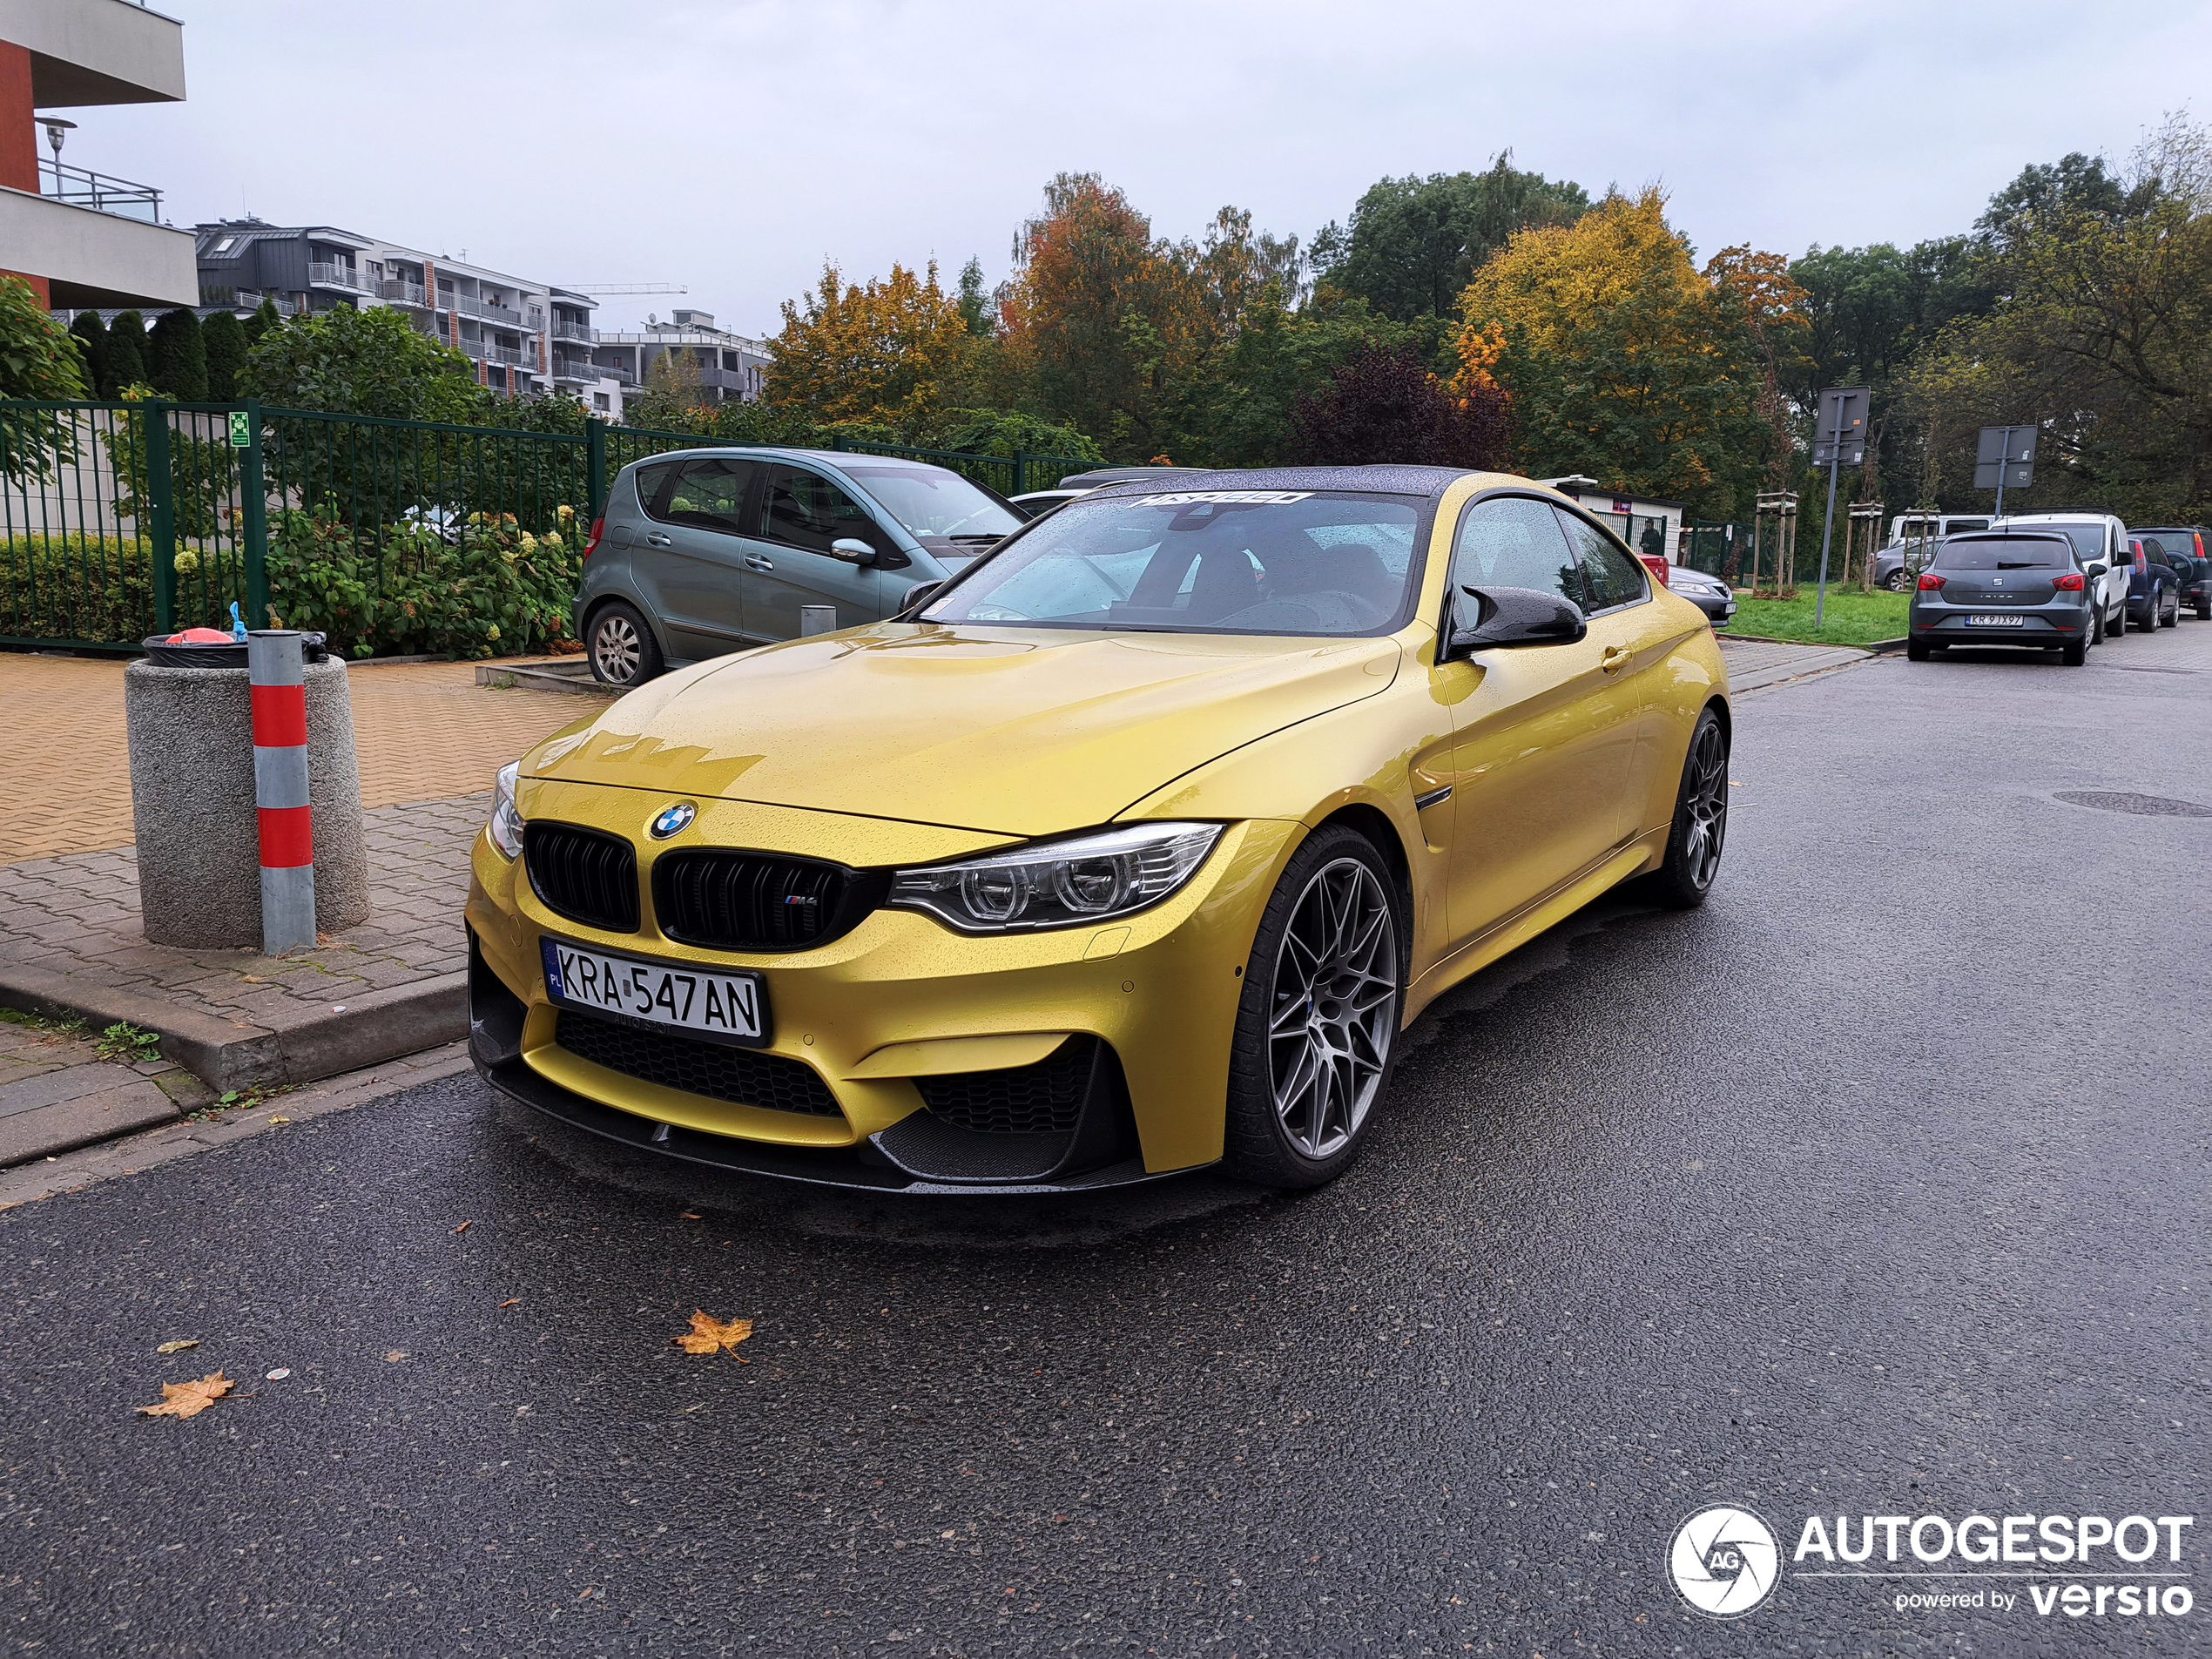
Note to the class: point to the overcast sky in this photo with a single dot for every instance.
(732, 146)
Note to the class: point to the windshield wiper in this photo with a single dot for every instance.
(975, 536)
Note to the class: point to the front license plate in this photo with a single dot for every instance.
(1997, 620)
(721, 1004)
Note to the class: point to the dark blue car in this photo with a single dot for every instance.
(2154, 585)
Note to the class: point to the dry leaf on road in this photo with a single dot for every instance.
(189, 1398)
(178, 1345)
(510, 1301)
(464, 1226)
(707, 1334)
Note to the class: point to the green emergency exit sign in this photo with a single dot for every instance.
(242, 433)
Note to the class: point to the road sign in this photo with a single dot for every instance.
(1840, 439)
(241, 429)
(2005, 458)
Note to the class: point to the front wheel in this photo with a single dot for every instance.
(1700, 828)
(1317, 1026)
(1894, 582)
(623, 652)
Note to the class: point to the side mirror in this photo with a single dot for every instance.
(1487, 619)
(853, 550)
(917, 595)
(2096, 569)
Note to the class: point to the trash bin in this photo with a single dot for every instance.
(188, 712)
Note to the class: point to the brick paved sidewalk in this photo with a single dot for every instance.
(1754, 662)
(57, 1092)
(422, 731)
(70, 937)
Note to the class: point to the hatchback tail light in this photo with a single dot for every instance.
(2071, 582)
(598, 529)
(1930, 581)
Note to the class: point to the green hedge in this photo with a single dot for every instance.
(487, 589)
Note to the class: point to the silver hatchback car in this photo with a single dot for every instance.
(704, 551)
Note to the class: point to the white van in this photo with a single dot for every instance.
(1928, 527)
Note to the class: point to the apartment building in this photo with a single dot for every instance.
(82, 239)
(726, 366)
(523, 336)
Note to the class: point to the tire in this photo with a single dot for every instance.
(2173, 618)
(1894, 582)
(2096, 625)
(2204, 610)
(2074, 655)
(1307, 1072)
(623, 650)
(1700, 827)
(1916, 651)
(2149, 623)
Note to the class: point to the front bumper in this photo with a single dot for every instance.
(1717, 607)
(899, 1001)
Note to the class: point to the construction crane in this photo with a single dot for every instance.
(624, 287)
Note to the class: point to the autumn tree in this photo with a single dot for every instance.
(1387, 406)
(1621, 360)
(894, 352)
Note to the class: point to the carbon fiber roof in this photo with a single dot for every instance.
(1395, 480)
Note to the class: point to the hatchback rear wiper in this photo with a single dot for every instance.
(2021, 564)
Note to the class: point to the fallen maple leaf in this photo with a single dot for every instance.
(279, 1120)
(189, 1398)
(708, 1334)
(178, 1345)
(396, 1356)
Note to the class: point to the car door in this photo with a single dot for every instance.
(1637, 638)
(689, 559)
(796, 513)
(1541, 755)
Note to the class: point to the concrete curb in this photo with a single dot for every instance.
(544, 679)
(1878, 646)
(231, 1054)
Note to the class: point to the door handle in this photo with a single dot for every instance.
(654, 538)
(756, 562)
(1615, 659)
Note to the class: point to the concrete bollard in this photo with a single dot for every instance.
(193, 791)
(287, 826)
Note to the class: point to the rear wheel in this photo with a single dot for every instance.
(2096, 625)
(1700, 828)
(2149, 623)
(623, 650)
(2174, 617)
(2074, 655)
(2204, 610)
(1916, 651)
(1894, 582)
(1317, 1027)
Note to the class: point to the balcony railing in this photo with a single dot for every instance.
(577, 368)
(400, 292)
(573, 331)
(98, 191)
(617, 372)
(510, 356)
(469, 306)
(321, 274)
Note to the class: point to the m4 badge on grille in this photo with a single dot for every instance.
(672, 820)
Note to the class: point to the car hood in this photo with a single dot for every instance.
(1018, 732)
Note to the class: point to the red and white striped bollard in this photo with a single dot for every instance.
(277, 668)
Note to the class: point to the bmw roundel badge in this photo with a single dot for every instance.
(672, 820)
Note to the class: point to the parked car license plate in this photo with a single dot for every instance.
(721, 1004)
(1996, 621)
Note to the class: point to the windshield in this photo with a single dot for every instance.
(930, 501)
(1224, 561)
(2010, 553)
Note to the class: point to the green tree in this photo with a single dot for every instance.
(1413, 243)
(126, 351)
(265, 316)
(352, 362)
(975, 299)
(989, 432)
(91, 342)
(177, 357)
(38, 359)
(1237, 410)
(223, 337)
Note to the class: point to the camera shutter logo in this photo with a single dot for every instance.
(1724, 1561)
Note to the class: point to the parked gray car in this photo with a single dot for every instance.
(2023, 588)
(1897, 564)
(704, 551)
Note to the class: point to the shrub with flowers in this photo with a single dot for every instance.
(480, 586)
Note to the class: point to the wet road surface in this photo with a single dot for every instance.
(1875, 1187)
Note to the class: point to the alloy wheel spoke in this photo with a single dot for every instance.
(1333, 1015)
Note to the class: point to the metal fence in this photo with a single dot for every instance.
(120, 520)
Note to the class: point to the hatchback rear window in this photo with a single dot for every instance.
(2004, 553)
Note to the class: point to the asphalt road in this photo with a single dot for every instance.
(1875, 1187)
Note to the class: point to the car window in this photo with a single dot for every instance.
(2004, 553)
(1231, 561)
(653, 483)
(1512, 542)
(803, 509)
(707, 491)
(1615, 578)
(931, 501)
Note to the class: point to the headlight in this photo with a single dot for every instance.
(506, 822)
(1062, 884)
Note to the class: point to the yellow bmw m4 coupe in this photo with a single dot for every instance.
(1130, 849)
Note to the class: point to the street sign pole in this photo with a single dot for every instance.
(1827, 527)
(1840, 435)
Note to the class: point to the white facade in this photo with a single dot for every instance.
(725, 367)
